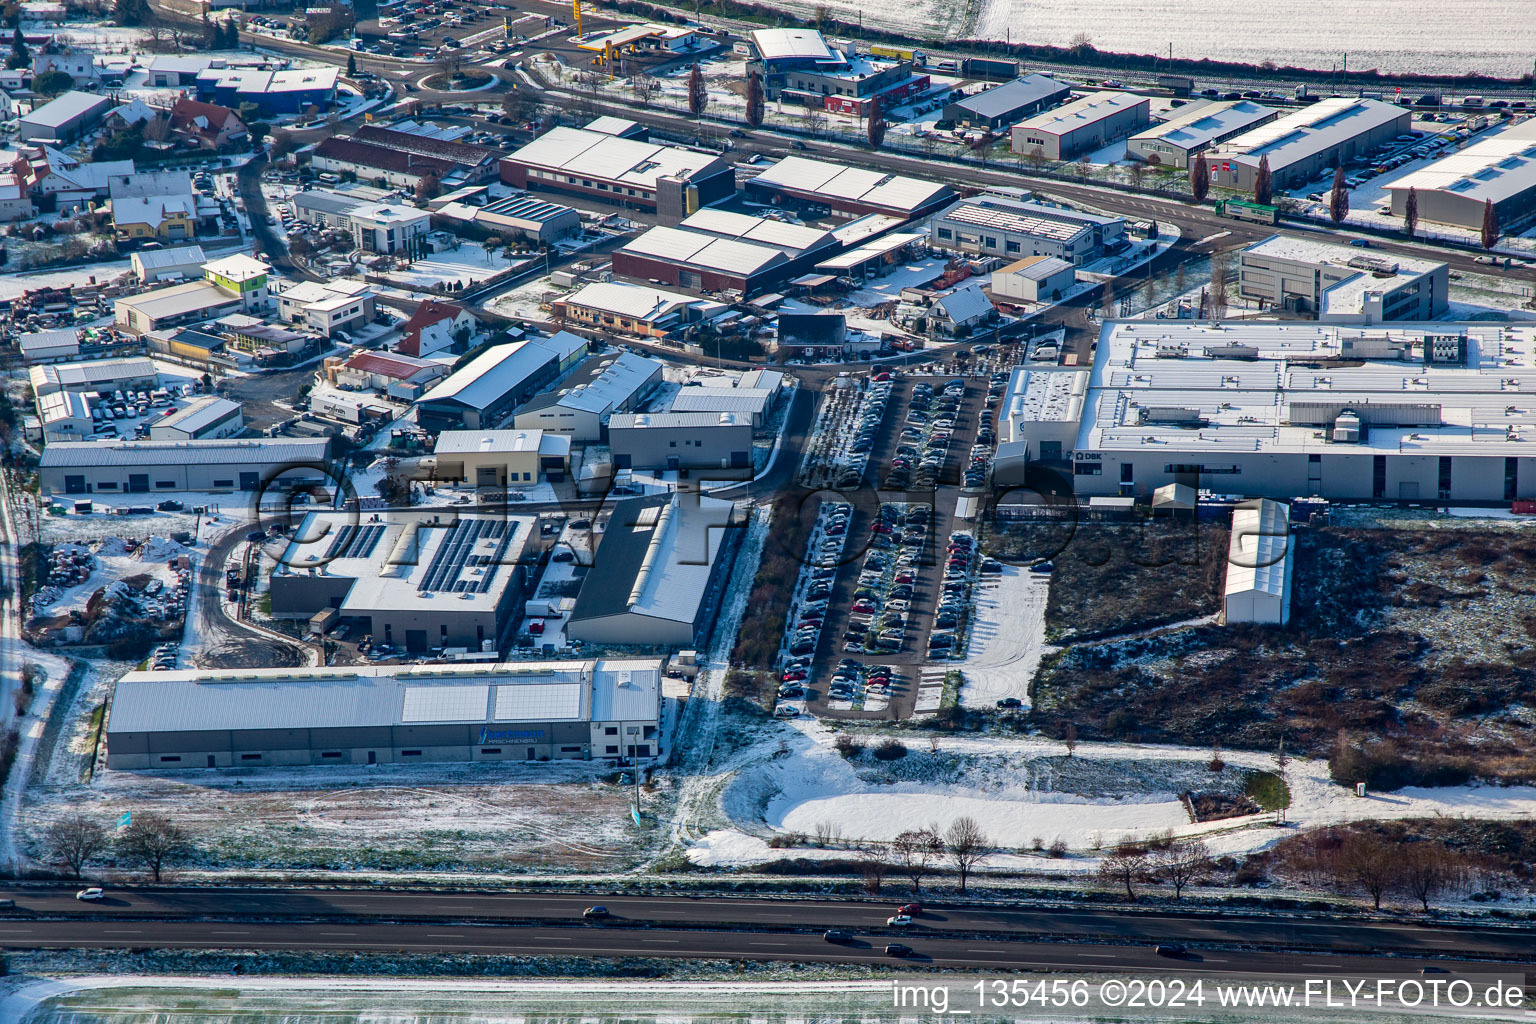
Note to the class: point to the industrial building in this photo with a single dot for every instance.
(994, 224)
(374, 227)
(385, 714)
(1038, 420)
(1034, 279)
(400, 375)
(1085, 124)
(208, 417)
(135, 372)
(415, 579)
(272, 92)
(1339, 283)
(501, 458)
(63, 119)
(380, 165)
(134, 467)
(65, 416)
(160, 264)
(680, 440)
(1498, 168)
(802, 244)
(658, 573)
(482, 393)
(518, 217)
(1008, 103)
(581, 408)
(701, 263)
(799, 66)
(1397, 412)
(874, 258)
(475, 165)
(753, 404)
(848, 192)
(635, 309)
(1261, 562)
(1304, 144)
(232, 284)
(1195, 129)
(642, 175)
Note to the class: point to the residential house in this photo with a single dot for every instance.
(960, 311)
(210, 125)
(436, 326)
(329, 307)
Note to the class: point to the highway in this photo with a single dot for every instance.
(742, 928)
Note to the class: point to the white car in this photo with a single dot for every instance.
(898, 921)
(93, 893)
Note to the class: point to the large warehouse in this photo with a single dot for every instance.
(95, 375)
(1081, 126)
(1038, 420)
(643, 175)
(63, 119)
(418, 580)
(1401, 412)
(386, 714)
(1196, 129)
(1302, 145)
(135, 467)
(848, 192)
(659, 572)
(1500, 168)
(482, 393)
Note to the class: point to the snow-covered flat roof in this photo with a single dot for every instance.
(1201, 125)
(1246, 387)
(1310, 130)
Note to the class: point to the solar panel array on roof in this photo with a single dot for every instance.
(457, 553)
(355, 542)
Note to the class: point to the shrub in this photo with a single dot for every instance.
(1058, 848)
(891, 749)
(847, 745)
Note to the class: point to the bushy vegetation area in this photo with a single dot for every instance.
(762, 627)
(1374, 672)
(1120, 577)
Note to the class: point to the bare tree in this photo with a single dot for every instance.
(74, 841)
(915, 850)
(154, 841)
(1036, 159)
(282, 144)
(1369, 864)
(1138, 173)
(966, 844)
(1084, 167)
(428, 186)
(1069, 737)
(1123, 866)
(874, 866)
(1428, 869)
(1180, 864)
(814, 120)
(1220, 277)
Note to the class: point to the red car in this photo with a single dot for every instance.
(910, 909)
(793, 676)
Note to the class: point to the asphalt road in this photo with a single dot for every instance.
(756, 929)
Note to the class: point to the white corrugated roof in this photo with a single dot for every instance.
(835, 181)
(704, 251)
(1260, 554)
(789, 43)
(1495, 167)
(577, 151)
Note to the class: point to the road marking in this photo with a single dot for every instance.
(1104, 956)
(122, 931)
(769, 943)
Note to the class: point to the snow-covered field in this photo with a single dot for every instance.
(1027, 789)
(1007, 637)
(1495, 37)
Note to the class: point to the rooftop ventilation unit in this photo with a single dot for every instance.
(1346, 428)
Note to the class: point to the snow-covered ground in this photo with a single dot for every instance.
(1007, 637)
(1027, 789)
(113, 561)
(12, 285)
(463, 266)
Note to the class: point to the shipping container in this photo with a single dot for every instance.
(988, 67)
(1179, 85)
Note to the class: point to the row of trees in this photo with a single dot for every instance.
(1361, 863)
(150, 840)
